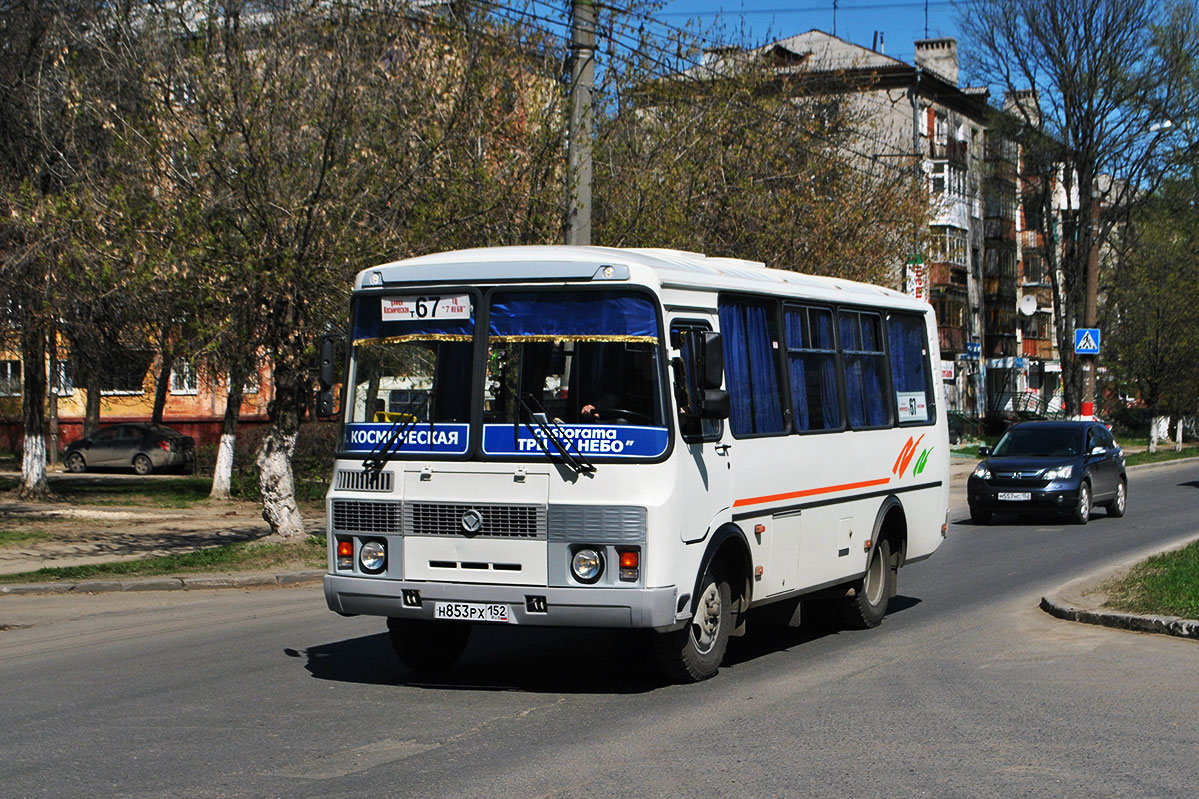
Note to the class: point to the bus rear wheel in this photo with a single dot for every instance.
(695, 652)
(868, 605)
(428, 646)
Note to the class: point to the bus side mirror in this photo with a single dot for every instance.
(711, 365)
(714, 401)
(326, 374)
(715, 404)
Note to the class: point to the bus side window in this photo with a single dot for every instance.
(865, 370)
(812, 367)
(910, 369)
(684, 337)
(751, 366)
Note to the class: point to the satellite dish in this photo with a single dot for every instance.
(1028, 305)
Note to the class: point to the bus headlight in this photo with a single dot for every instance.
(587, 565)
(372, 556)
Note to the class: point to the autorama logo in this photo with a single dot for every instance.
(906, 455)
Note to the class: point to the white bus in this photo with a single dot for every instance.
(625, 438)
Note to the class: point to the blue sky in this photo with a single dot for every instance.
(901, 22)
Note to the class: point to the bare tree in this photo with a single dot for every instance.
(1093, 80)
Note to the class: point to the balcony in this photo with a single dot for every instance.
(952, 339)
(1037, 348)
(955, 152)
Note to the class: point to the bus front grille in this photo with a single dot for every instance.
(357, 516)
(475, 520)
(362, 480)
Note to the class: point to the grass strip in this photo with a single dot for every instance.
(243, 556)
(1164, 453)
(1164, 585)
(10, 538)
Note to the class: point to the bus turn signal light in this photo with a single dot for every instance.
(630, 565)
(345, 554)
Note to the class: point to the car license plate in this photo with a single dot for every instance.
(472, 611)
(1015, 496)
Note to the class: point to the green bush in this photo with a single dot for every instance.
(311, 465)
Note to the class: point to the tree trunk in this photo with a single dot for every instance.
(34, 485)
(1178, 436)
(160, 387)
(91, 413)
(275, 477)
(222, 473)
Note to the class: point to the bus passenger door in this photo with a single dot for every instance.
(704, 480)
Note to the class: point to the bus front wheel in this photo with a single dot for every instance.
(695, 652)
(872, 593)
(428, 646)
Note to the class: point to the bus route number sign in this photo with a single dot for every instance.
(426, 306)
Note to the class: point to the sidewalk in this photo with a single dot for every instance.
(80, 535)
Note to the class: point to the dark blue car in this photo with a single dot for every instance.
(1063, 468)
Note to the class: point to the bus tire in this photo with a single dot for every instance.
(868, 605)
(695, 652)
(428, 646)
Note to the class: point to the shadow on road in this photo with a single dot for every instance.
(537, 660)
(543, 660)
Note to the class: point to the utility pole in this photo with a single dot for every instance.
(578, 158)
(1090, 313)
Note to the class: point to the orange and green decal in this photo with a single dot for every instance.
(905, 457)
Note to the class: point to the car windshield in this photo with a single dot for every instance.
(1039, 442)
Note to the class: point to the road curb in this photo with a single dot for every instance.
(1163, 625)
(197, 582)
(1070, 604)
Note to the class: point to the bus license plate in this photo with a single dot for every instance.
(471, 611)
(1015, 496)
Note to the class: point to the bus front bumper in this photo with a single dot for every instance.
(563, 607)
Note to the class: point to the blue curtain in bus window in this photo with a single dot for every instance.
(750, 368)
(864, 392)
(582, 315)
(908, 357)
(812, 363)
(794, 323)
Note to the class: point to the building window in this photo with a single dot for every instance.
(125, 373)
(64, 379)
(10, 378)
(183, 379)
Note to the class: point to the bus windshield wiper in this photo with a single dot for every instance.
(391, 442)
(554, 433)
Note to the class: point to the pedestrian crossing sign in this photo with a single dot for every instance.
(1086, 341)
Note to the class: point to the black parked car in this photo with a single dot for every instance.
(1056, 467)
(141, 447)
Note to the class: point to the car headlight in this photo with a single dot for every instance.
(587, 565)
(372, 556)
(982, 472)
(1059, 473)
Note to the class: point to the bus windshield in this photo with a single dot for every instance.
(574, 370)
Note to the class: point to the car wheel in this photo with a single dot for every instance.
(75, 463)
(868, 605)
(1115, 508)
(428, 646)
(142, 465)
(695, 652)
(979, 516)
(1082, 514)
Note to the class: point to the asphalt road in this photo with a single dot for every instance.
(965, 690)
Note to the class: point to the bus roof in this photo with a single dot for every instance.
(660, 267)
